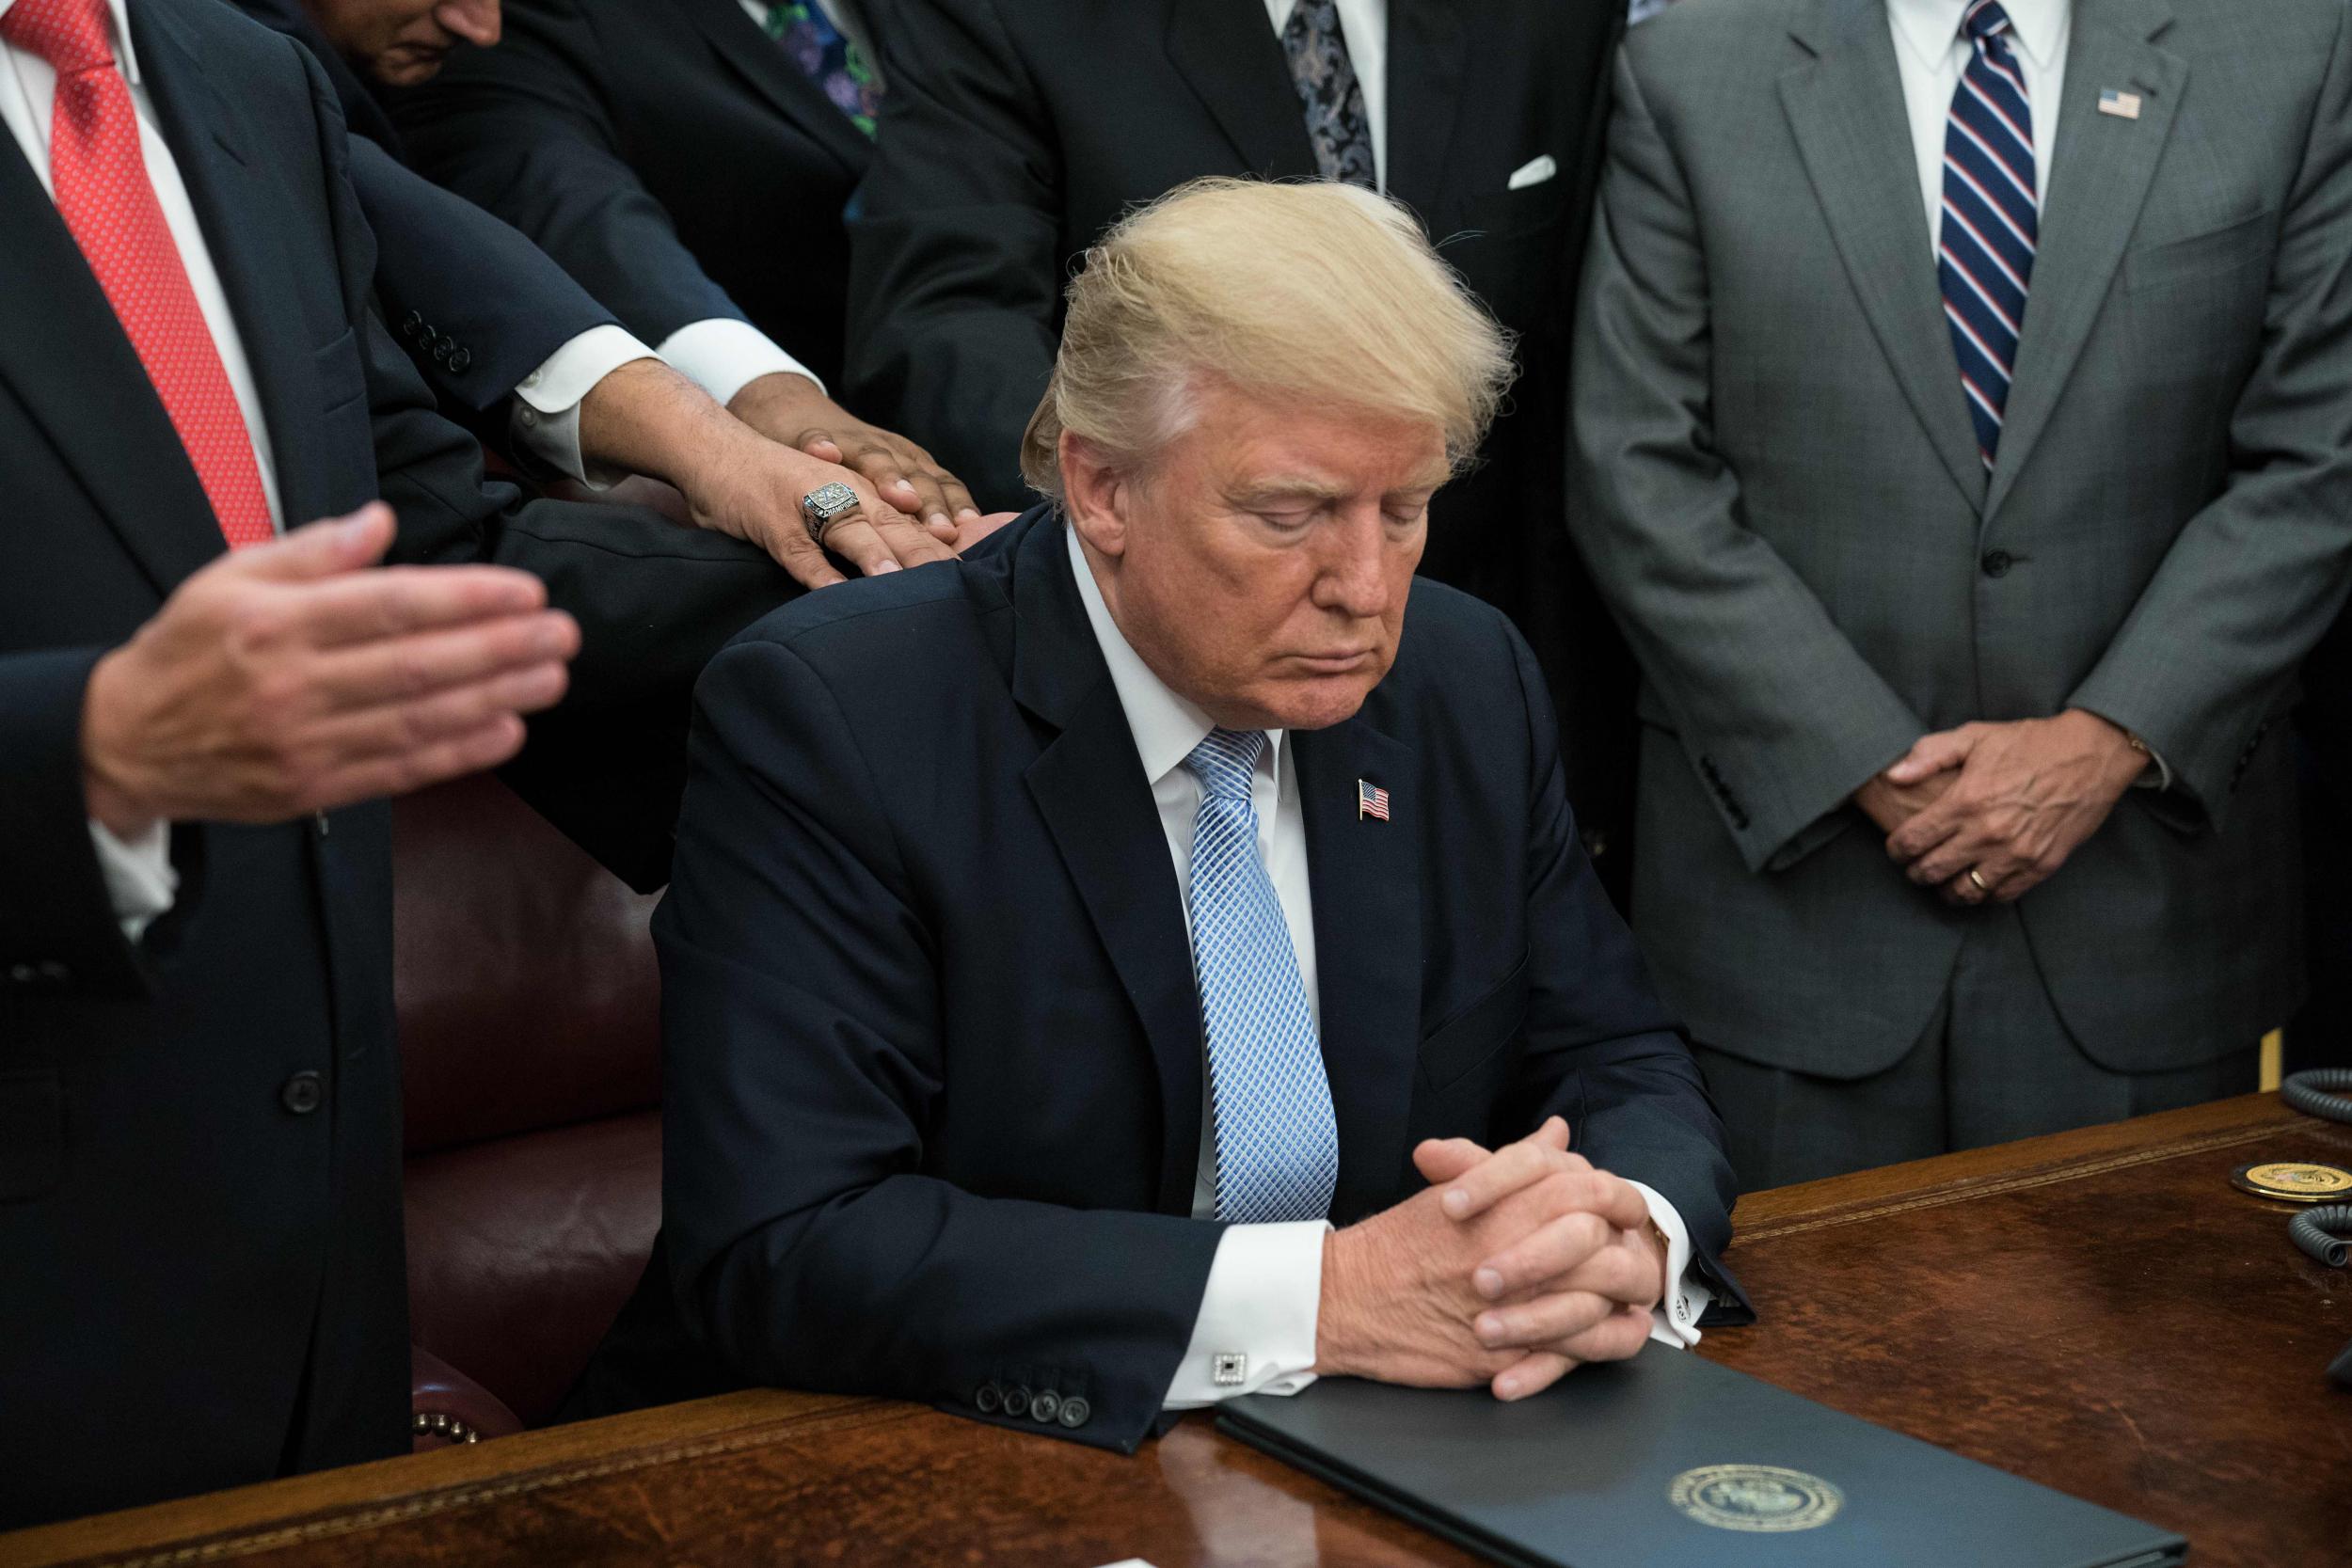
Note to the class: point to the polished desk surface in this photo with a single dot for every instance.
(2099, 1312)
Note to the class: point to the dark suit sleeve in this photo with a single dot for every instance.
(805, 1058)
(58, 925)
(525, 131)
(955, 256)
(1602, 1050)
(479, 306)
(653, 599)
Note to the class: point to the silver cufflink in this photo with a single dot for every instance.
(1231, 1369)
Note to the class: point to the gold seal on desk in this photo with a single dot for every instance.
(2292, 1180)
(1760, 1498)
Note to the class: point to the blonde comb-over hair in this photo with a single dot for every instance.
(1322, 293)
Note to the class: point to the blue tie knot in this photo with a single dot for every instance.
(1985, 21)
(1225, 761)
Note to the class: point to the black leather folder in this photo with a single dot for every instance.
(1668, 1461)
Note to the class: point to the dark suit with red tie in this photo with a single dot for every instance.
(200, 1143)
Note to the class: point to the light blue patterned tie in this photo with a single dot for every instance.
(1992, 219)
(1277, 1144)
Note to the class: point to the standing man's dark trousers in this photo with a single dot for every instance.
(1994, 1063)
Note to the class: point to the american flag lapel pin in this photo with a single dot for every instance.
(1371, 801)
(2123, 105)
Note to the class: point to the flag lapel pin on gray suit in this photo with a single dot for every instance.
(2123, 105)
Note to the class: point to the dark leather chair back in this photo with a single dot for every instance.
(530, 1044)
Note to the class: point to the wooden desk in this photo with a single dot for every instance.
(2098, 1311)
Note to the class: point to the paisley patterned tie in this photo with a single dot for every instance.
(827, 57)
(1328, 91)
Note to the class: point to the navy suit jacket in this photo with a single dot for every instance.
(478, 305)
(199, 1134)
(932, 1085)
(670, 156)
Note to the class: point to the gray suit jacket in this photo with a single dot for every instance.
(1789, 514)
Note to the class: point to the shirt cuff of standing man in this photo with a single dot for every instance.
(1255, 1331)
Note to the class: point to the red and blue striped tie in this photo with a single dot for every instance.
(1990, 218)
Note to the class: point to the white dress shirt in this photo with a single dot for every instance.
(1265, 1285)
(1365, 26)
(1931, 52)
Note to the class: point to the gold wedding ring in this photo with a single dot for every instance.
(1977, 880)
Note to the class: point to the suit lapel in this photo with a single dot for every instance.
(2099, 177)
(1365, 875)
(760, 60)
(63, 353)
(1089, 787)
(1229, 56)
(1427, 46)
(236, 209)
(1846, 108)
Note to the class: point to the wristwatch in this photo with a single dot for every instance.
(820, 506)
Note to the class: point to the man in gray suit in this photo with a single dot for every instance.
(1964, 400)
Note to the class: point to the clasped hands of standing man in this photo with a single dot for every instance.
(1990, 811)
(1510, 1269)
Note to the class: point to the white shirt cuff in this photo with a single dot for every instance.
(1256, 1330)
(723, 357)
(545, 417)
(141, 883)
(1675, 1319)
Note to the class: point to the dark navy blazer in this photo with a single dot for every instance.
(932, 1086)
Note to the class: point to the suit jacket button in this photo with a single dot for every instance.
(302, 1093)
(1017, 1400)
(1044, 1405)
(56, 972)
(23, 975)
(458, 360)
(1074, 1412)
(989, 1399)
(1997, 562)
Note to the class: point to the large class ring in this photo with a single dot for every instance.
(820, 506)
(1976, 881)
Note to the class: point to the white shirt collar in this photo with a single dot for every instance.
(1930, 27)
(1166, 727)
(125, 56)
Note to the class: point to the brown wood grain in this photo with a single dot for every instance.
(2098, 1311)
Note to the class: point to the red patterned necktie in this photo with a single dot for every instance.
(105, 198)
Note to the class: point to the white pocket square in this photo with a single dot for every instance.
(1533, 172)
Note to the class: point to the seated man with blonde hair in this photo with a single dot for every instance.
(1031, 1023)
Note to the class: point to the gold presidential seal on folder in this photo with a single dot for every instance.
(1760, 1497)
(2292, 1180)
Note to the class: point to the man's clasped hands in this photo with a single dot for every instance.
(1509, 1269)
(1991, 810)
